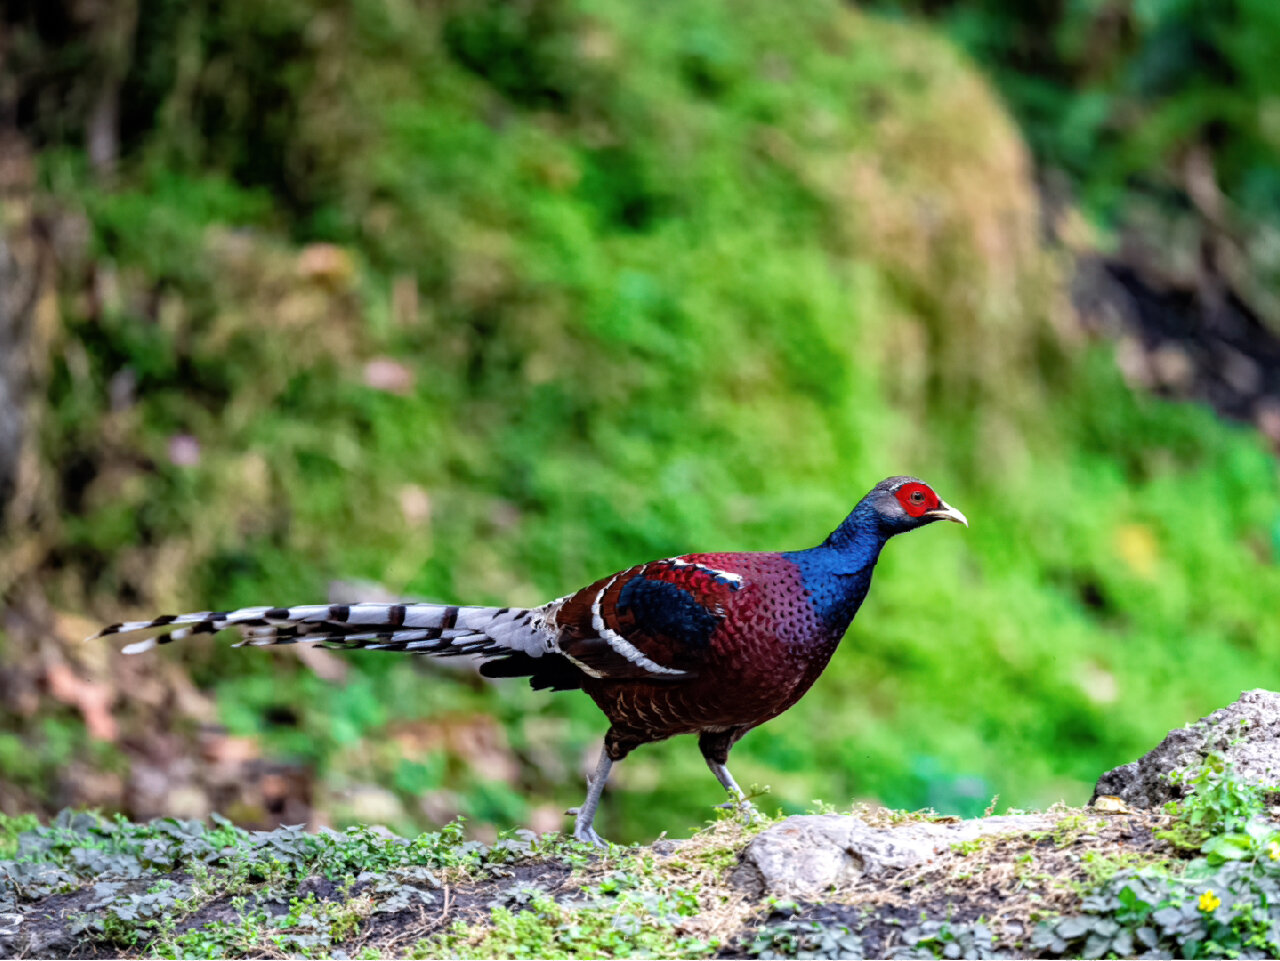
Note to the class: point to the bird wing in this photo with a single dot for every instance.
(653, 621)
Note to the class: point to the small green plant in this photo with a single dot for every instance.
(364, 849)
(1219, 905)
(1070, 827)
(1100, 867)
(942, 939)
(804, 939)
(214, 939)
(971, 845)
(621, 921)
(1222, 817)
(817, 806)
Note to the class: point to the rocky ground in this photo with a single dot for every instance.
(1194, 874)
(89, 888)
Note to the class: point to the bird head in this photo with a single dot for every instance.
(905, 503)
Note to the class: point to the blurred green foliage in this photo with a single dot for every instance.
(663, 279)
(1117, 94)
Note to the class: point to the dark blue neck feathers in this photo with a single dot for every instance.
(837, 573)
(859, 535)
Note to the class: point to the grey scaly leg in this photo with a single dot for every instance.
(582, 829)
(740, 801)
(715, 750)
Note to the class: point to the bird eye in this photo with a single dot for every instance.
(917, 497)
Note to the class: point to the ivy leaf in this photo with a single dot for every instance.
(1072, 928)
(1228, 847)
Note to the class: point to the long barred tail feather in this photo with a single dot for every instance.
(439, 630)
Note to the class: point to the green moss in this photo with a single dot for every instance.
(10, 829)
(615, 922)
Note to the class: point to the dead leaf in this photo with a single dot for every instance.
(328, 263)
(323, 663)
(91, 699)
(1110, 804)
(391, 376)
(219, 748)
(184, 450)
(415, 505)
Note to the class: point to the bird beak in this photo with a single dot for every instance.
(945, 512)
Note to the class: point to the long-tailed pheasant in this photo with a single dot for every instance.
(706, 644)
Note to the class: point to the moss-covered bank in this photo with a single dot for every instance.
(479, 301)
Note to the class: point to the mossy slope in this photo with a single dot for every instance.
(481, 301)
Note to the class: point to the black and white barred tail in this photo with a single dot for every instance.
(438, 630)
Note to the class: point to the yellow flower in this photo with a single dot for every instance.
(1273, 850)
(1209, 901)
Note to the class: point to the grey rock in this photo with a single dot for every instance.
(10, 933)
(50, 939)
(663, 847)
(806, 855)
(1246, 733)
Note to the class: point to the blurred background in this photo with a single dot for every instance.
(479, 300)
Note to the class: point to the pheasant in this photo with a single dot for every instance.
(706, 644)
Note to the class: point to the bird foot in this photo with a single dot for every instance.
(587, 834)
(743, 807)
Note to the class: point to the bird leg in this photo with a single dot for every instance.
(740, 802)
(586, 813)
(715, 751)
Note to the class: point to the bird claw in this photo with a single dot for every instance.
(743, 807)
(587, 835)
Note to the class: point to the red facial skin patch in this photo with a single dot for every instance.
(917, 499)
